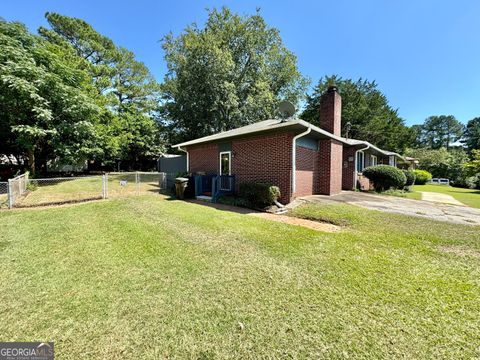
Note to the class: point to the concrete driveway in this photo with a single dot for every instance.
(419, 208)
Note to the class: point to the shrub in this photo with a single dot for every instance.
(259, 194)
(468, 182)
(410, 179)
(385, 177)
(32, 185)
(473, 182)
(422, 177)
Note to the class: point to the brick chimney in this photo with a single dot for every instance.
(331, 151)
(331, 111)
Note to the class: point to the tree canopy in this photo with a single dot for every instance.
(440, 162)
(439, 131)
(230, 73)
(366, 109)
(471, 136)
(44, 108)
(70, 94)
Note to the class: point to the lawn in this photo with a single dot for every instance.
(470, 197)
(48, 191)
(148, 277)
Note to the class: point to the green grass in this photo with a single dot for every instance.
(470, 197)
(145, 277)
(44, 192)
(401, 193)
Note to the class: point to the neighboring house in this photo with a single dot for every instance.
(300, 158)
(411, 162)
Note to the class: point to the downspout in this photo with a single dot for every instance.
(188, 162)
(294, 156)
(355, 173)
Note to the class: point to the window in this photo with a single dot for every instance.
(373, 160)
(392, 160)
(226, 163)
(360, 161)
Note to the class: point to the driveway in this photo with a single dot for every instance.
(439, 197)
(419, 208)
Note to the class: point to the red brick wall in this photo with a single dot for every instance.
(307, 171)
(265, 158)
(269, 158)
(330, 167)
(364, 184)
(203, 158)
(348, 170)
(331, 112)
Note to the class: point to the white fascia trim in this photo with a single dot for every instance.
(188, 160)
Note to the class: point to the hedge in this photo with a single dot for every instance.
(385, 177)
(410, 178)
(259, 194)
(422, 177)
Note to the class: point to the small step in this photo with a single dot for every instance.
(204, 198)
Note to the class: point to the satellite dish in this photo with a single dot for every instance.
(287, 110)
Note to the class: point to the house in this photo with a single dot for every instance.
(300, 158)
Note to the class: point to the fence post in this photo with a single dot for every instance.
(137, 182)
(163, 181)
(10, 194)
(105, 186)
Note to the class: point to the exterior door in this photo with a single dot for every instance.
(225, 169)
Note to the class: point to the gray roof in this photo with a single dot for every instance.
(354, 142)
(273, 124)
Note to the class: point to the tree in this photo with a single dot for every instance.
(230, 73)
(472, 134)
(366, 109)
(123, 87)
(440, 131)
(473, 166)
(44, 111)
(440, 162)
(98, 52)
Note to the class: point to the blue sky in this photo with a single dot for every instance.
(424, 54)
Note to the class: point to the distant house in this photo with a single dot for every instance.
(300, 158)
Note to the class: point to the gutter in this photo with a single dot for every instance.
(355, 173)
(186, 152)
(294, 156)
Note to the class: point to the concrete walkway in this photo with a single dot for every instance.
(440, 198)
(425, 209)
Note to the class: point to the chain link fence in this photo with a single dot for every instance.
(24, 192)
(3, 195)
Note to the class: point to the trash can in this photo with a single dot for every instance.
(180, 185)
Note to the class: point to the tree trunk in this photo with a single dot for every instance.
(31, 161)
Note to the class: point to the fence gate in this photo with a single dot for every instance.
(24, 192)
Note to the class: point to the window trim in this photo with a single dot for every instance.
(373, 160)
(229, 162)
